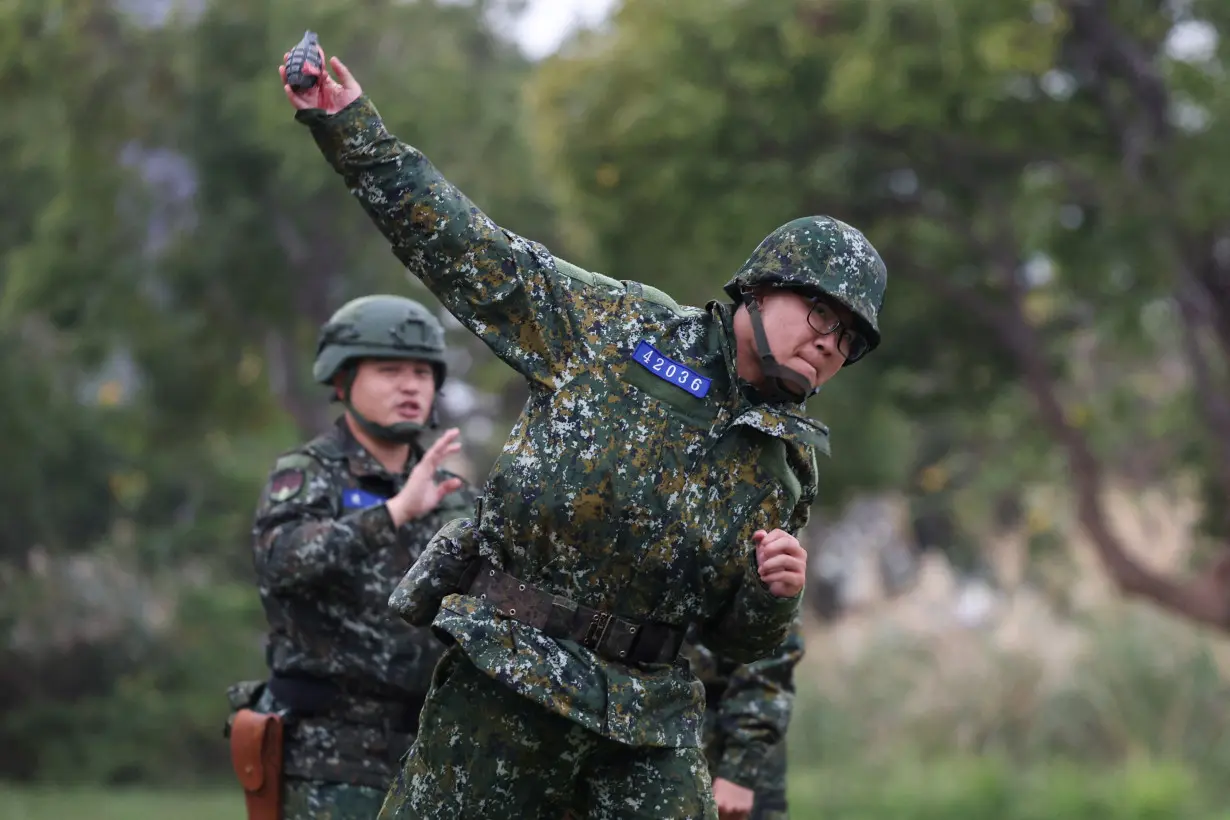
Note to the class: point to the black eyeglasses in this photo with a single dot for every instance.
(823, 319)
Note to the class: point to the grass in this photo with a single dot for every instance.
(969, 789)
(47, 803)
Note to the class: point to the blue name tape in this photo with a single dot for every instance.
(669, 370)
(359, 499)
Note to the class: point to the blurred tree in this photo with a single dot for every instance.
(1025, 169)
(171, 242)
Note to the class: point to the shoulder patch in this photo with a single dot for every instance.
(669, 370)
(357, 499)
(286, 483)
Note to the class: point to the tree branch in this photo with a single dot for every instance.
(284, 365)
(1201, 600)
(1214, 403)
(1102, 50)
(1213, 275)
(1123, 56)
(316, 262)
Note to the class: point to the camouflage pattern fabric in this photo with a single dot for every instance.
(770, 802)
(747, 715)
(353, 743)
(314, 800)
(498, 756)
(327, 556)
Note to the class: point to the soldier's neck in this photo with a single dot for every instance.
(391, 455)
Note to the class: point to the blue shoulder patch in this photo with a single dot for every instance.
(360, 499)
(669, 370)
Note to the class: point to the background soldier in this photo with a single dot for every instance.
(656, 477)
(747, 713)
(340, 521)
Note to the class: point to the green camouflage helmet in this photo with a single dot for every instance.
(379, 327)
(819, 254)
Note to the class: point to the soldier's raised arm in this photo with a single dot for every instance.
(507, 290)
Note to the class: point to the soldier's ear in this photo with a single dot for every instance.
(343, 379)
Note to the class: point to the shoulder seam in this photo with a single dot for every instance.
(319, 449)
(655, 296)
(583, 276)
(637, 290)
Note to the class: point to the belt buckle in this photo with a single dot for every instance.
(596, 631)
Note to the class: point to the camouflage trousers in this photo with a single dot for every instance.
(771, 790)
(316, 800)
(484, 751)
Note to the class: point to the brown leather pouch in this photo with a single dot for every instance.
(256, 754)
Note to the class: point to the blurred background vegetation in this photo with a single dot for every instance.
(1020, 603)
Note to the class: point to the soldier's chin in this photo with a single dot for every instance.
(808, 372)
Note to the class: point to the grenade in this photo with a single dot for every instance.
(301, 56)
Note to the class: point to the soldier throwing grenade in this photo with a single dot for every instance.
(340, 521)
(657, 478)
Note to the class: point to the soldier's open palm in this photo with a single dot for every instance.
(328, 94)
(423, 493)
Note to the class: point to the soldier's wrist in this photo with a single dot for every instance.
(397, 511)
(339, 136)
(741, 769)
(405, 511)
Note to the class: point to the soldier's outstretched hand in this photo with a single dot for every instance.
(782, 562)
(423, 493)
(328, 94)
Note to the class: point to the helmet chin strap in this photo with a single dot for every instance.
(403, 432)
(781, 383)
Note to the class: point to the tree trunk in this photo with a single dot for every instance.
(317, 261)
(1206, 599)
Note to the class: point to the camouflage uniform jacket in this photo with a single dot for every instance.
(633, 480)
(327, 556)
(749, 707)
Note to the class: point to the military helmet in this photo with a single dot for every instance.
(379, 327)
(820, 255)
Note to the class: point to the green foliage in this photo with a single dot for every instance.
(1144, 701)
(996, 154)
(154, 708)
(171, 241)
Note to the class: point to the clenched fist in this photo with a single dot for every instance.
(782, 562)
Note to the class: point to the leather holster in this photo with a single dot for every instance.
(256, 754)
